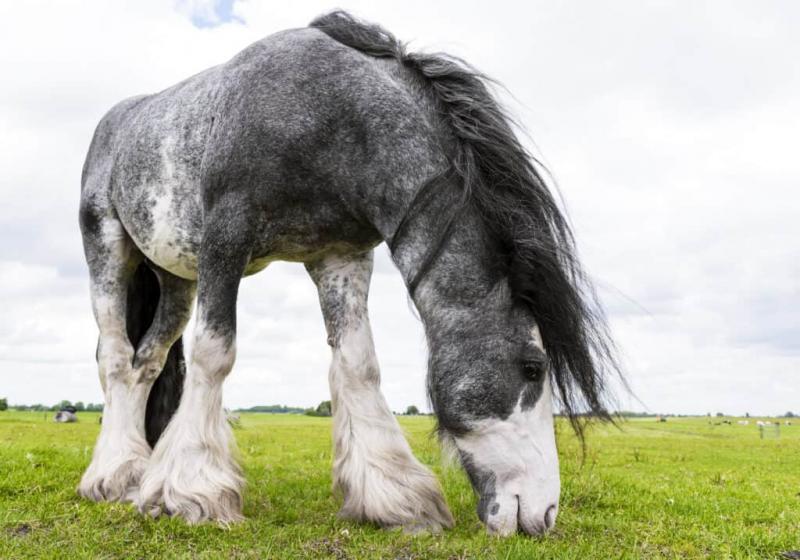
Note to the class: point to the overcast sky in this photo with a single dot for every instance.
(671, 128)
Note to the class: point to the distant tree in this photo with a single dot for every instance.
(3, 404)
(720, 415)
(412, 410)
(273, 409)
(91, 407)
(789, 414)
(79, 406)
(62, 405)
(324, 409)
(747, 415)
(634, 414)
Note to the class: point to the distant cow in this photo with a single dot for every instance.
(66, 416)
(744, 422)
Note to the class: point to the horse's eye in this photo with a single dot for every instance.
(534, 369)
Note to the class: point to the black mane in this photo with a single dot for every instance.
(501, 180)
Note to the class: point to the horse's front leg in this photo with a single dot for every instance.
(380, 479)
(192, 473)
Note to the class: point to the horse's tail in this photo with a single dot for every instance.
(501, 180)
(143, 295)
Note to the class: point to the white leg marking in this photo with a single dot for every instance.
(374, 468)
(192, 472)
(121, 451)
(380, 479)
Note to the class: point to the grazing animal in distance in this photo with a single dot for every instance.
(65, 416)
(315, 145)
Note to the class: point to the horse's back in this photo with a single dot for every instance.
(296, 124)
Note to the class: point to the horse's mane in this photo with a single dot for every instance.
(501, 179)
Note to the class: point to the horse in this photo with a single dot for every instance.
(315, 145)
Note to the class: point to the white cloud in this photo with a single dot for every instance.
(670, 128)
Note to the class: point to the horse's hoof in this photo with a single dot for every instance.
(196, 487)
(410, 500)
(113, 483)
(222, 508)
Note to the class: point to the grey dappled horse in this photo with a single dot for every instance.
(315, 145)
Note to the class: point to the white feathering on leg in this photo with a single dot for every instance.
(374, 469)
(192, 472)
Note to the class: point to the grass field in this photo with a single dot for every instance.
(681, 489)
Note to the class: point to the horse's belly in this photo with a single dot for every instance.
(170, 251)
(164, 220)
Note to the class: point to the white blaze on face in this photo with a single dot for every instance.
(518, 457)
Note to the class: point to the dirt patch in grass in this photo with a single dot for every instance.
(21, 530)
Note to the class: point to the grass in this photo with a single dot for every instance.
(681, 489)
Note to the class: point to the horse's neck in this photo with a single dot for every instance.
(462, 275)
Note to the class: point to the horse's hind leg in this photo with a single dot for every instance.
(158, 362)
(380, 479)
(121, 451)
(126, 375)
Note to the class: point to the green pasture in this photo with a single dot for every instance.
(687, 488)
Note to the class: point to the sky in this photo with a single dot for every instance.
(670, 128)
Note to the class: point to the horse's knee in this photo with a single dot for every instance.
(356, 369)
(147, 366)
(114, 358)
(213, 355)
(151, 355)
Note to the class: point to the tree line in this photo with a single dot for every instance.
(79, 406)
(323, 409)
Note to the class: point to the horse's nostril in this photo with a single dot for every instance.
(550, 517)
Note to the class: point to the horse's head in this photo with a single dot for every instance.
(490, 384)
